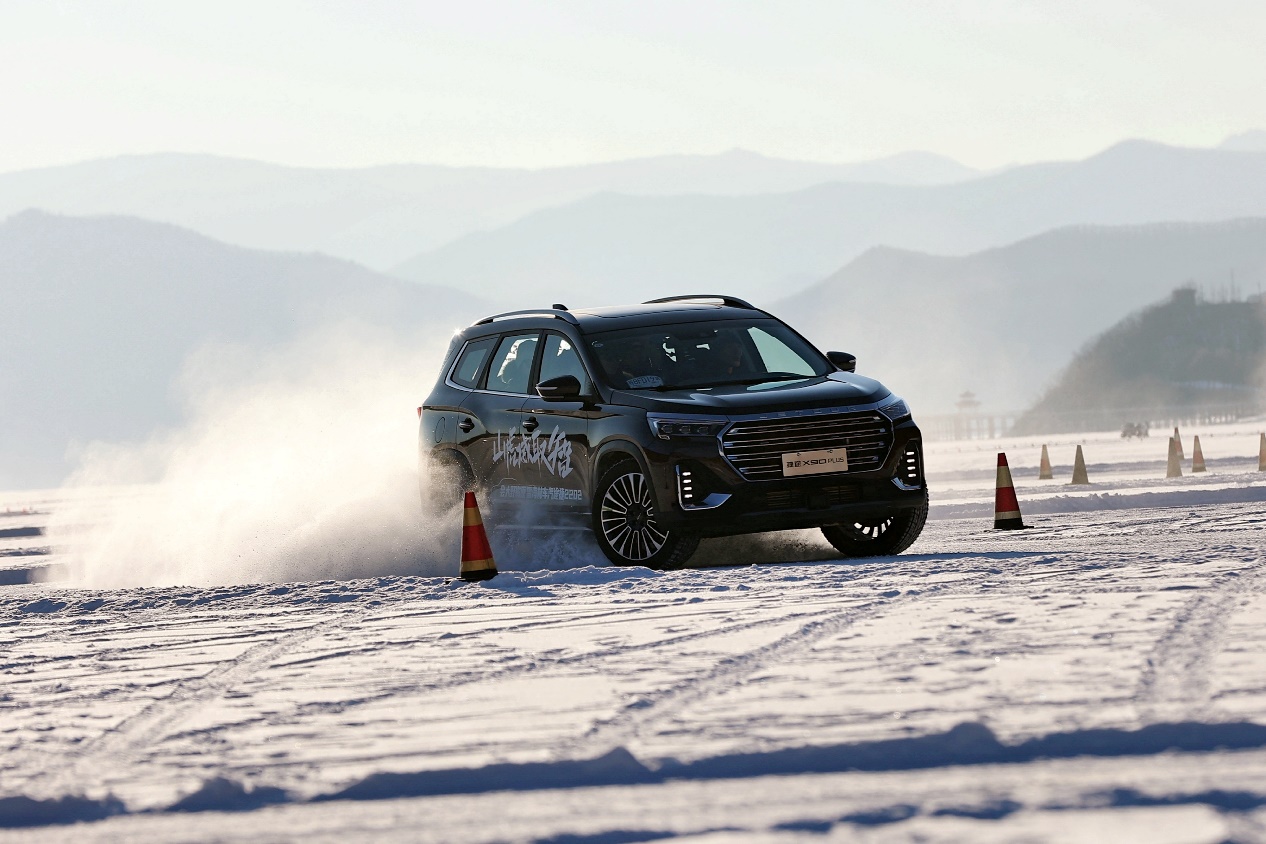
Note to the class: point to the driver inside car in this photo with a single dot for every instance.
(637, 357)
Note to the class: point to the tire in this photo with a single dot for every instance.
(624, 522)
(883, 536)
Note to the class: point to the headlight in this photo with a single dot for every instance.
(895, 409)
(667, 427)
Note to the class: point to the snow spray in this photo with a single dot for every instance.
(299, 463)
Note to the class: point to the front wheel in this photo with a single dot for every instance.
(625, 526)
(879, 536)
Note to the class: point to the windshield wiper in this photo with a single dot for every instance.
(759, 379)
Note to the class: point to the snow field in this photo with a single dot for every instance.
(1123, 641)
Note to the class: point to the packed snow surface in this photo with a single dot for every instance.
(1100, 676)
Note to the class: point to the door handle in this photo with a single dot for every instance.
(530, 424)
(466, 425)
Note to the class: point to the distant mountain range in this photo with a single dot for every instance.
(1253, 140)
(381, 216)
(598, 249)
(1003, 322)
(98, 315)
(1184, 352)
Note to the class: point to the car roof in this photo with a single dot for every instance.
(664, 313)
(612, 318)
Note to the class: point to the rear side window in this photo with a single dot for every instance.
(512, 364)
(471, 361)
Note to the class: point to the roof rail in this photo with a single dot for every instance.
(549, 312)
(728, 301)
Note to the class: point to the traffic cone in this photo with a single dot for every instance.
(1006, 507)
(1178, 440)
(1044, 471)
(477, 562)
(1261, 454)
(1079, 469)
(1174, 467)
(1197, 456)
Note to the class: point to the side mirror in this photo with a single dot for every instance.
(562, 388)
(843, 361)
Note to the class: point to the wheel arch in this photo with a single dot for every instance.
(444, 457)
(615, 451)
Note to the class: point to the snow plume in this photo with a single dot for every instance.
(299, 463)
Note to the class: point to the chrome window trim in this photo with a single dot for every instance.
(531, 394)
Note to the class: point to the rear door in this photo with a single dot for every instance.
(489, 426)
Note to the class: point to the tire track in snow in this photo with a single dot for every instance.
(1175, 683)
(654, 707)
(122, 745)
(657, 706)
(550, 662)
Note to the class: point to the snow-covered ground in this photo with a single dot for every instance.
(1101, 676)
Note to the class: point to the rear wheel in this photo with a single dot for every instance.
(625, 526)
(879, 536)
(442, 480)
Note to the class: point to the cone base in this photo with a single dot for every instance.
(1008, 524)
(1046, 476)
(479, 574)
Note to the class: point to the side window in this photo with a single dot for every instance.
(512, 363)
(560, 358)
(471, 361)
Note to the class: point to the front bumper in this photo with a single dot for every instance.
(748, 506)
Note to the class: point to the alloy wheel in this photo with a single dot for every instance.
(628, 518)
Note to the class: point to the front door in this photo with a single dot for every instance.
(558, 469)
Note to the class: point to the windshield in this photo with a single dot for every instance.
(704, 354)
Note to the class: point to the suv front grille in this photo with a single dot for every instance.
(755, 448)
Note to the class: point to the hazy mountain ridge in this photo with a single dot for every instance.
(757, 245)
(1254, 140)
(100, 314)
(1003, 322)
(380, 216)
(1185, 352)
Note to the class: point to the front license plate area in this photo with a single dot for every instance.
(818, 462)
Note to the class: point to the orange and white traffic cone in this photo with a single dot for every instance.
(1079, 469)
(1006, 507)
(1173, 467)
(1178, 444)
(477, 562)
(1044, 470)
(1197, 456)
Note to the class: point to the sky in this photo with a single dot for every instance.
(518, 84)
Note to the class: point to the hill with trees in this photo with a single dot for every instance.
(1185, 356)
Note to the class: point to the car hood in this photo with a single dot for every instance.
(838, 389)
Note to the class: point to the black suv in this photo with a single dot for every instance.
(660, 423)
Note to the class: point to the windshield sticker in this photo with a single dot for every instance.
(645, 382)
(554, 452)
